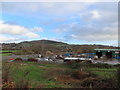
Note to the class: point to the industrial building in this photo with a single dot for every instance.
(109, 53)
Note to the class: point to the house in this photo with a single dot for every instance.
(109, 53)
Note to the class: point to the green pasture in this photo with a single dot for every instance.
(39, 74)
(34, 74)
(7, 52)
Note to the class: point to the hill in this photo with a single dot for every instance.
(54, 47)
(45, 42)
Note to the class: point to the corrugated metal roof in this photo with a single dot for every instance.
(107, 49)
(71, 58)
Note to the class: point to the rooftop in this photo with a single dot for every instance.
(107, 49)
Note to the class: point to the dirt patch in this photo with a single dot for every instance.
(79, 74)
(73, 77)
(66, 79)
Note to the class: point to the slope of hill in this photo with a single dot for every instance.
(43, 46)
(43, 42)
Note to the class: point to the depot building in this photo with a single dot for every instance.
(109, 53)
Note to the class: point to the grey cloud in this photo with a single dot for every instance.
(93, 33)
(48, 9)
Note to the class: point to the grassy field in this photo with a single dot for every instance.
(104, 72)
(7, 52)
(33, 74)
(50, 75)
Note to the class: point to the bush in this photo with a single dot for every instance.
(23, 52)
(117, 65)
(100, 65)
(118, 76)
(18, 59)
(98, 83)
(6, 72)
(95, 83)
(74, 65)
(79, 74)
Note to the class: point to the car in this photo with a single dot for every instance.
(11, 59)
(32, 59)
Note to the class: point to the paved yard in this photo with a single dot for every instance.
(112, 62)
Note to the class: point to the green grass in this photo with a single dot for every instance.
(48, 65)
(8, 50)
(103, 69)
(35, 75)
(103, 72)
(5, 54)
(100, 72)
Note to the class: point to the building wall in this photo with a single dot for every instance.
(104, 53)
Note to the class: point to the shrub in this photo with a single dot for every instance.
(79, 74)
(8, 84)
(6, 71)
(95, 83)
(100, 65)
(98, 83)
(85, 64)
(18, 59)
(23, 52)
(74, 65)
(117, 65)
(118, 76)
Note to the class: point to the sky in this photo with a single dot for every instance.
(70, 22)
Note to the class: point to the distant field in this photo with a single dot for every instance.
(60, 45)
(7, 52)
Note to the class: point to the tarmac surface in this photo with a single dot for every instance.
(25, 57)
(112, 62)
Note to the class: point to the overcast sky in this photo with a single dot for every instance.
(74, 23)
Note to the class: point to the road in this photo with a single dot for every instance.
(112, 62)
